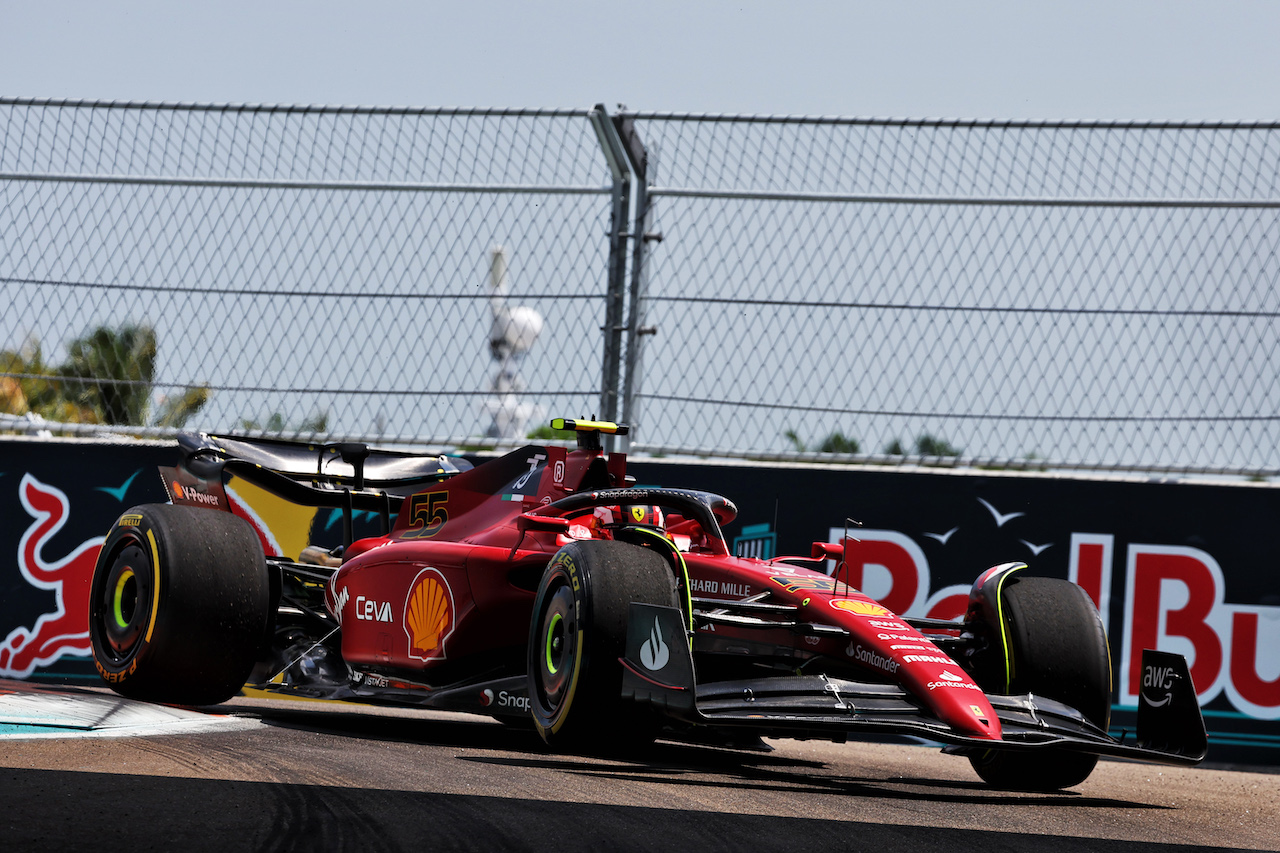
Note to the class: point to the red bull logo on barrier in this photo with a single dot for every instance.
(64, 630)
(1175, 598)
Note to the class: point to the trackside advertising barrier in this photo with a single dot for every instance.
(1180, 567)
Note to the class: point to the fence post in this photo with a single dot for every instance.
(643, 169)
(615, 293)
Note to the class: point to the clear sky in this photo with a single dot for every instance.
(1125, 59)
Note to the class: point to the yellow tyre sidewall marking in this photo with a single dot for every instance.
(155, 590)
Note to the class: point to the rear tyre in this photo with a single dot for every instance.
(179, 605)
(1059, 650)
(577, 635)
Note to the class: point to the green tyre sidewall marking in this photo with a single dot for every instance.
(549, 715)
(202, 607)
(589, 713)
(551, 629)
(117, 601)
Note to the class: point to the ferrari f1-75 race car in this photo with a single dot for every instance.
(543, 585)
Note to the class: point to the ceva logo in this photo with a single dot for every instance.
(64, 630)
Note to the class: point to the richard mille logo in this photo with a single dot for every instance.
(654, 653)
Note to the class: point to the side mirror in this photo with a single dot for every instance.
(545, 523)
(827, 551)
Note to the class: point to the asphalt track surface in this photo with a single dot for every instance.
(260, 774)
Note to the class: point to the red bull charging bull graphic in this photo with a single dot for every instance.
(64, 630)
(58, 499)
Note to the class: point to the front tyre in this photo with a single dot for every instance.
(179, 604)
(577, 635)
(1058, 649)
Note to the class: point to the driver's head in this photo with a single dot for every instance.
(639, 514)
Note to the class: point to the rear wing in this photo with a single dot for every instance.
(342, 475)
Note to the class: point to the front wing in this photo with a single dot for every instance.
(658, 670)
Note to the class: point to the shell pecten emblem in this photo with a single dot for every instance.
(860, 607)
(428, 615)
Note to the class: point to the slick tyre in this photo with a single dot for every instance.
(577, 635)
(1059, 650)
(179, 604)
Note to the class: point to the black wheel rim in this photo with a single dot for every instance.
(557, 646)
(124, 604)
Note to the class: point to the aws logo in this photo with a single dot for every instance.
(1158, 678)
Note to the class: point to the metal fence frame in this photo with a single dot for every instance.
(635, 196)
(655, 193)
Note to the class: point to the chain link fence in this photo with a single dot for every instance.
(1009, 294)
(306, 270)
(1015, 294)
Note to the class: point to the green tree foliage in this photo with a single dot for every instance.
(926, 445)
(107, 378)
(30, 385)
(317, 424)
(836, 442)
(115, 368)
(546, 433)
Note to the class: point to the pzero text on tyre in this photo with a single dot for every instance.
(179, 604)
(1058, 649)
(577, 635)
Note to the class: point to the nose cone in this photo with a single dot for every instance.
(884, 642)
(957, 701)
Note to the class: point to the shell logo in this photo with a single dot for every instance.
(860, 607)
(428, 615)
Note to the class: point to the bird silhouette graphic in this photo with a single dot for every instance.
(943, 537)
(1036, 550)
(118, 492)
(1001, 518)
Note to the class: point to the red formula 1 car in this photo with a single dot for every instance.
(542, 585)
